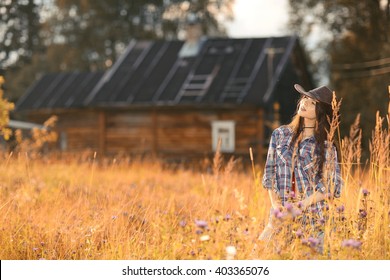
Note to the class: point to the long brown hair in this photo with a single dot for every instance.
(324, 113)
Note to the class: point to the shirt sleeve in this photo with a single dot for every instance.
(333, 179)
(269, 176)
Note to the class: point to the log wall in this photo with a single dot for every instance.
(173, 133)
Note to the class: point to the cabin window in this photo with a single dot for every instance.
(63, 141)
(223, 131)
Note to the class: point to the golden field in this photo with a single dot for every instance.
(86, 207)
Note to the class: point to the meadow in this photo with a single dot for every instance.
(86, 207)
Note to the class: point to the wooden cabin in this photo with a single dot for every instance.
(166, 99)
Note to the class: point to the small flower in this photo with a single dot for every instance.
(355, 244)
(227, 217)
(321, 221)
(289, 207)
(340, 209)
(296, 213)
(201, 224)
(365, 192)
(325, 207)
(279, 215)
(199, 231)
(313, 241)
(204, 238)
(300, 204)
(114, 217)
(182, 223)
(292, 194)
(231, 251)
(362, 213)
(299, 233)
(35, 249)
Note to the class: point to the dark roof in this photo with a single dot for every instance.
(59, 90)
(226, 71)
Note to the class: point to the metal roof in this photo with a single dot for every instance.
(226, 71)
(59, 90)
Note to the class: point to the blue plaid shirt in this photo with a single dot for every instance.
(278, 167)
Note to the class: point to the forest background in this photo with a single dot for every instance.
(352, 52)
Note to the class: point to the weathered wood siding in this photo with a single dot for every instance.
(81, 129)
(130, 132)
(173, 133)
(177, 133)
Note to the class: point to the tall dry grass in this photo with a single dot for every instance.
(85, 207)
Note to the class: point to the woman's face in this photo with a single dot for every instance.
(307, 107)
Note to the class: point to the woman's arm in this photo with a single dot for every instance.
(269, 177)
(334, 180)
(275, 201)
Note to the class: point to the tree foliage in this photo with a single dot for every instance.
(355, 39)
(19, 30)
(87, 35)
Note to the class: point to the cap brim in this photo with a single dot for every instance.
(301, 90)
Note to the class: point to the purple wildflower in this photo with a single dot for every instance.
(227, 217)
(365, 192)
(299, 233)
(289, 207)
(325, 207)
(199, 231)
(356, 244)
(322, 221)
(340, 209)
(35, 249)
(296, 213)
(292, 194)
(114, 217)
(300, 204)
(201, 223)
(362, 213)
(278, 214)
(183, 223)
(313, 241)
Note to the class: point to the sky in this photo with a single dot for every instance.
(259, 18)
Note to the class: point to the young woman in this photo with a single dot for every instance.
(299, 158)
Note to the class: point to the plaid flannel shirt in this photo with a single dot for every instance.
(278, 167)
